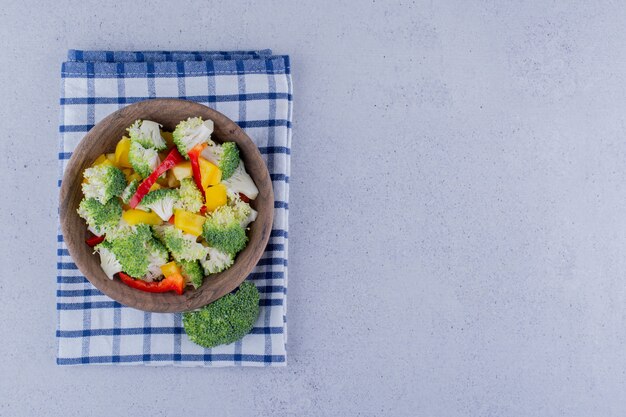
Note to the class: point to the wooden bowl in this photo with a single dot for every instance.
(102, 139)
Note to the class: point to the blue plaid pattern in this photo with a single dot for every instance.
(254, 89)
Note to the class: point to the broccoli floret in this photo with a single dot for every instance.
(241, 182)
(190, 197)
(129, 191)
(109, 263)
(183, 246)
(192, 132)
(103, 183)
(100, 217)
(216, 261)
(222, 230)
(130, 246)
(158, 255)
(192, 271)
(244, 213)
(143, 160)
(226, 320)
(161, 202)
(225, 156)
(147, 133)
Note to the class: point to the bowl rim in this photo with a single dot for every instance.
(224, 282)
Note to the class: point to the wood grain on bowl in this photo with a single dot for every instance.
(102, 138)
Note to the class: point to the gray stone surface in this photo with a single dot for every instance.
(458, 209)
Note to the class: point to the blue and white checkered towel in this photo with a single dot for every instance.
(253, 88)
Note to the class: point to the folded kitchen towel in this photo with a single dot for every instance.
(253, 88)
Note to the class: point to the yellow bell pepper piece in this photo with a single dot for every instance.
(170, 269)
(215, 197)
(128, 174)
(182, 170)
(121, 153)
(155, 186)
(134, 176)
(188, 222)
(102, 159)
(111, 158)
(134, 216)
(210, 174)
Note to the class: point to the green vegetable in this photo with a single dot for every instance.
(109, 263)
(161, 201)
(103, 183)
(129, 191)
(143, 160)
(158, 255)
(225, 156)
(216, 261)
(192, 272)
(129, 244)
(183, 246)
(100, 217)
(243, 212)
(190, 133)
(241, 182)
(148, 134)
(226, 320)
(190, 197)
(222, 230)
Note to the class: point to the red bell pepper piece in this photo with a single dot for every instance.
(174, 282)
(171, 219)
(244, 198)
(94, 240)
(172, 159)
(194, 154)
(203, 210)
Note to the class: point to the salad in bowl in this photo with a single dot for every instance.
(168, 210)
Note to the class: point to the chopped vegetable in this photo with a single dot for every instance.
(102, 159)
(121, 153)
(94, 240)
(100, 217)
(222, 230)
(170, 268)
(194, 154)
(172, 159)
(210, 173)
(129, 245)
(143, 160)
(241, 182)
(183, 246)
(190, 197)
(244, 213)
(215, 197)
(103, 183)
(216, 261)
(174, 283)
(108, 261)
(148, 134)
(225, 156)
(134, 216)
(192, 272)
(158, 256)
(192, 132)
(189, 222)
(225, 320)
(129, 191)
(161, 202)
(182, 170)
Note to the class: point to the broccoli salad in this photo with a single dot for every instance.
(168, 209)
